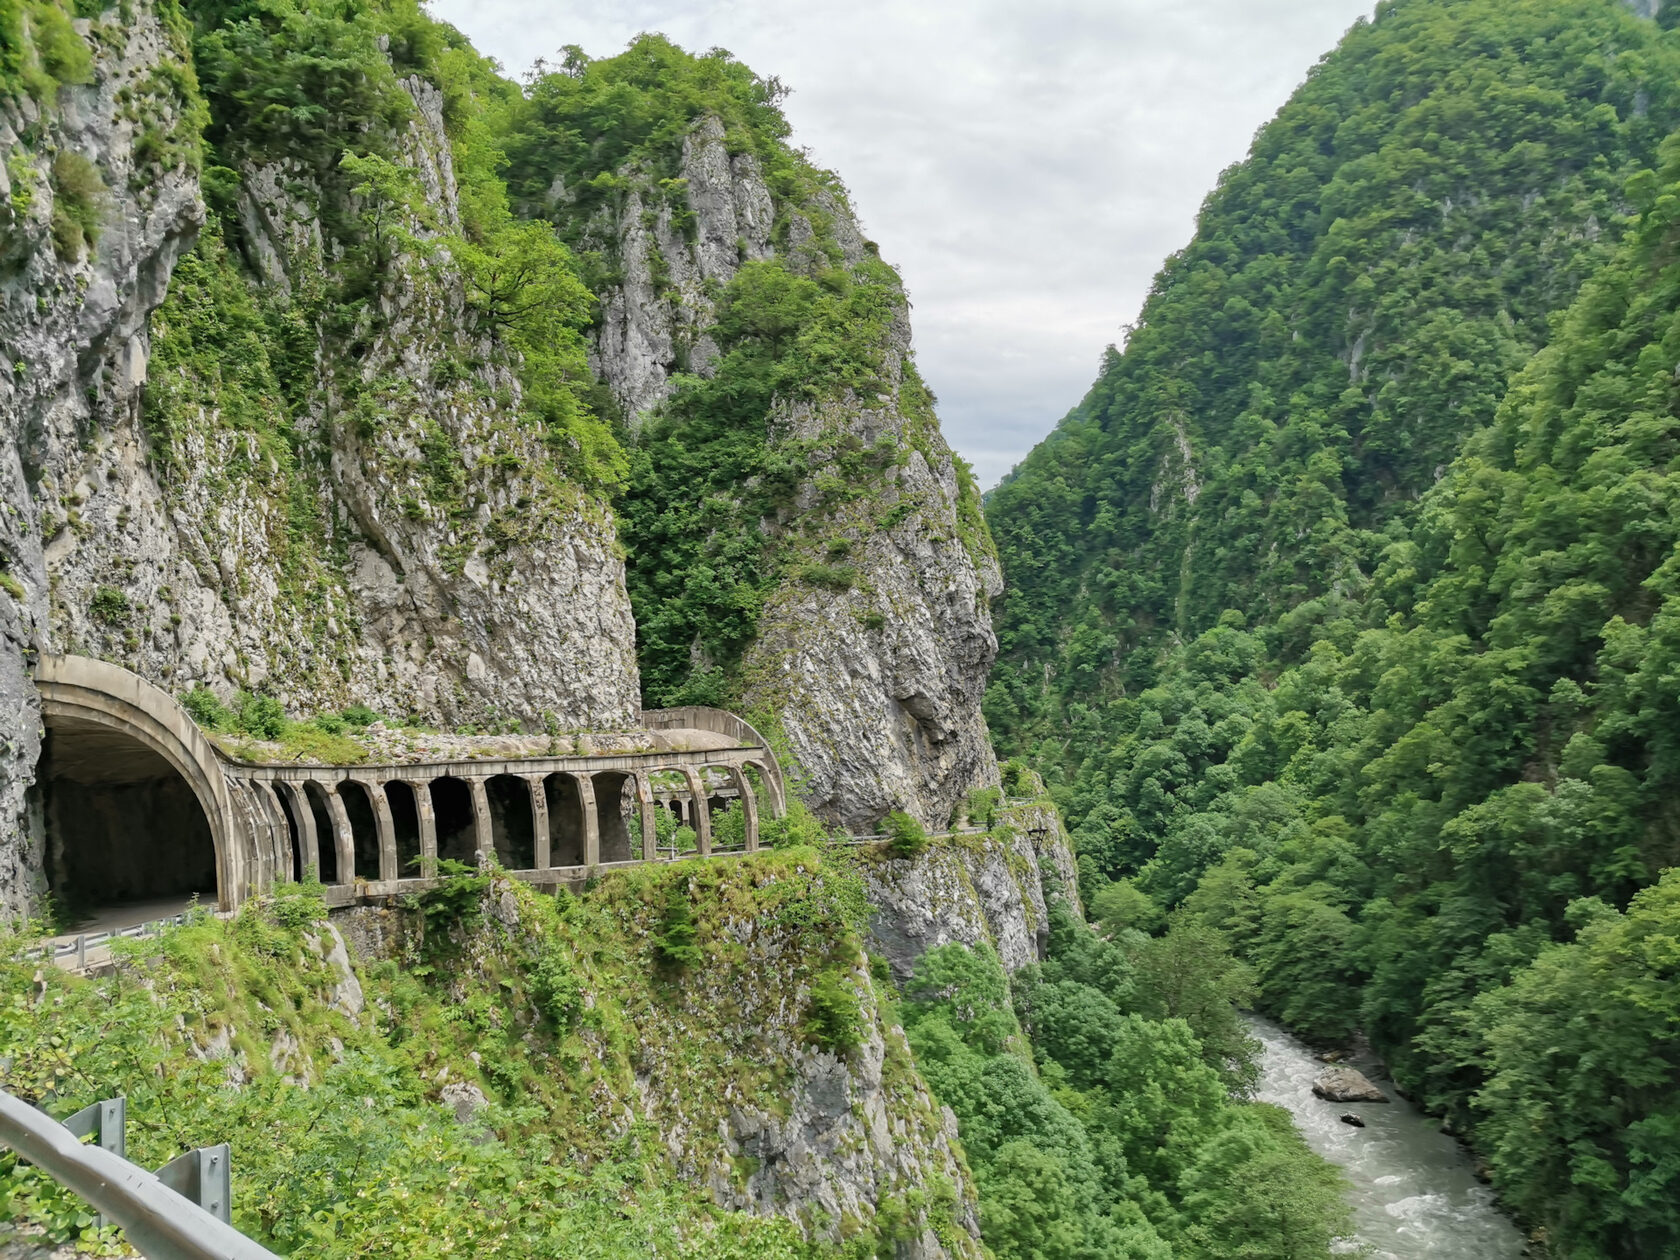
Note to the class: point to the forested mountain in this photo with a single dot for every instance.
(345, 375)
(1344, 608)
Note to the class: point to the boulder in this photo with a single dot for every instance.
(1344, 1084)
(1347, 1117)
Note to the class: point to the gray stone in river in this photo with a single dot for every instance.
(1344, 1084)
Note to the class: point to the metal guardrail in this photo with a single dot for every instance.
(72, 951)
(154, 1209)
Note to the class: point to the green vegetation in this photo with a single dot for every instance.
(587, 119)
(326, 738)
(342, 1146)
(78, 201)
(40, 50)
(706, 475)
(1401, 739)
(1109, 1133)
(1356, 297)
(906, 838)
(705, 515)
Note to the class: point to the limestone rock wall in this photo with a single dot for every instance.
(991, 888)
(73, 351)
(877, 689)
(447, 571)
(387, 529)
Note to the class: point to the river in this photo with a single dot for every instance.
(1414, 1193)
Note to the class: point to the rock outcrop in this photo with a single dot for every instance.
(394, 534)
(877, 688)
(386, 527)
(720, 1064)
(74, 345)
(992, 888)
(1345, 1084)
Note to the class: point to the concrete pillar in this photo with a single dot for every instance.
(539, 822)
(702, 816)
(591, 821)
(645, 806)
(344, 843)
(259, 861)
(749, 804)
(245, 872)
(484, 836)
(428, 827)
(772, 788)
(282, 834)
(385, 828)
(309, 844)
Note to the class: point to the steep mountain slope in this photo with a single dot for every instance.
(1422, 778)
(359, 453)
(802, 541)
(1357, 294)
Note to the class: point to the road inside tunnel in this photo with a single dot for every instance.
(126, 837)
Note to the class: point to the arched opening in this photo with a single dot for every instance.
(565, 820)
(126, 834)
(452, 812)
(614, 799)
(512, 824)
(767, 787)
(326, 848)
(728, 811)
(405, 822)
(364, 831)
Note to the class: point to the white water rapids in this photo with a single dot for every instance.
(1413, 1190)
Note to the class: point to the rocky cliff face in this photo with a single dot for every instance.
(719, 1061)
(393, 534)
(215, 476)
(877, 688)
(992, 888)
(74, 344)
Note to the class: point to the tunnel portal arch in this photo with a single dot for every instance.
(93, 709)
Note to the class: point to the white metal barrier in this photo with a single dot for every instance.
(160, 1221)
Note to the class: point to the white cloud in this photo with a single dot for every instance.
(1027, 166)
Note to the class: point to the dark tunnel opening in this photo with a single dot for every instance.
(122, 826)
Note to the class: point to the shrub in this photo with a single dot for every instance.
(259, 716)
(832, 577)
(982, 806)
(78, 200)
(834, 1017)
(556, 988)
(674, 947)
(796, 827)
(63, 53)
(205, 709)
(906, 838)
(109, 606)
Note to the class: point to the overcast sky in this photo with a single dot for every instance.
(1027, 165)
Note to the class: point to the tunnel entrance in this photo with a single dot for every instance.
(123, 827)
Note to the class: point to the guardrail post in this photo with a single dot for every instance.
(106, 1122)
(204, 1177)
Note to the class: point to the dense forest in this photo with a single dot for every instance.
(1100, 1095)
(1343, 611)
